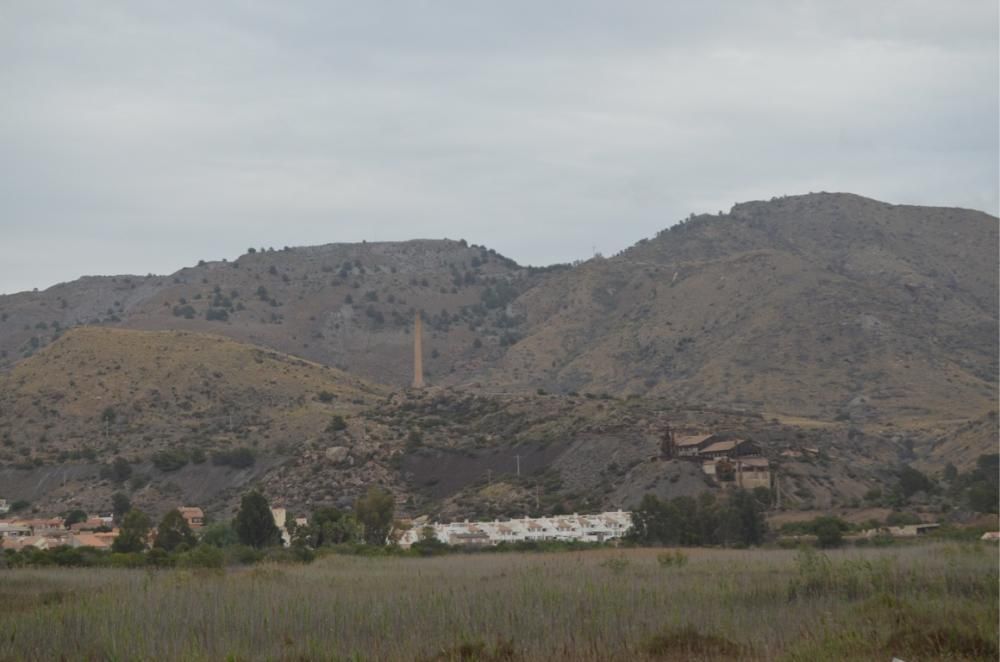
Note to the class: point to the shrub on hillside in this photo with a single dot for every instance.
(238, 458)
(169, 459)
(337, 423)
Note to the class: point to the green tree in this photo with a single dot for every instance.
(74, 517)
(254, 522)
(220, 534)
(983, 493)
(950, 473)
(120, 504)
(374, 512)
(170, 459)
(763, 496)
(709, 519)
(121, 470)
(328, 526)
(829, 531)
(897, 518)
(646, 520)
(174, 531)
(912, 481)
(747, 517)
(982, 497)
(428, 544)
(685, 521)
(132, 537)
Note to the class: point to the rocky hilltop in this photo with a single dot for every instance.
(828, 305)
(345, 305)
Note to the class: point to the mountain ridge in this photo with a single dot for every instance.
(831, 281)
(828, 321)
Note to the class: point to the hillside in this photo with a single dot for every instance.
(829, 306)
(197, 418)
(162, 401)
(865, 329)
(345, 305)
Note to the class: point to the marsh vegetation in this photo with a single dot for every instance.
(931, 601)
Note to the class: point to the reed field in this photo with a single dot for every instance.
(922, 602)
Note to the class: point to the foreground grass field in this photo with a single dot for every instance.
(935, 601)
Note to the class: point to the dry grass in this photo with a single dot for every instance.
(931, 602)
(118, 366)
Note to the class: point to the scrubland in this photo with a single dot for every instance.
(922, 602)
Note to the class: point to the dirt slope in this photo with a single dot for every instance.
(828, 305)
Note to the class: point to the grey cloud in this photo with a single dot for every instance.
(142, 138)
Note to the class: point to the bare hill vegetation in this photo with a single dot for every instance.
(176, 416)
(829, 306)
(170, 404)
(345, 305)
(828, 321)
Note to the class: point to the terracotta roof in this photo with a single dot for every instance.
(90, 523)
(755, 462)
(90, 540)
(695, 440)
(721, 446)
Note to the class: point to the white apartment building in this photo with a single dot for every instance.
(580, 528)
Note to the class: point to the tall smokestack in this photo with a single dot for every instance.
(418, 352)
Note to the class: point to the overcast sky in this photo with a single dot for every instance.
(141, 137)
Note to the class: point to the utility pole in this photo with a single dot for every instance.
(518, 459)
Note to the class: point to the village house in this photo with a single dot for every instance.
(17, 534)
(691, 445)
(44, 525)
(736, 463)
(14, 529)
(193, 515)
(753, 472)
(4, 506)
(91, 524)
(95, 540)
(729, 448)
(38, 542)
